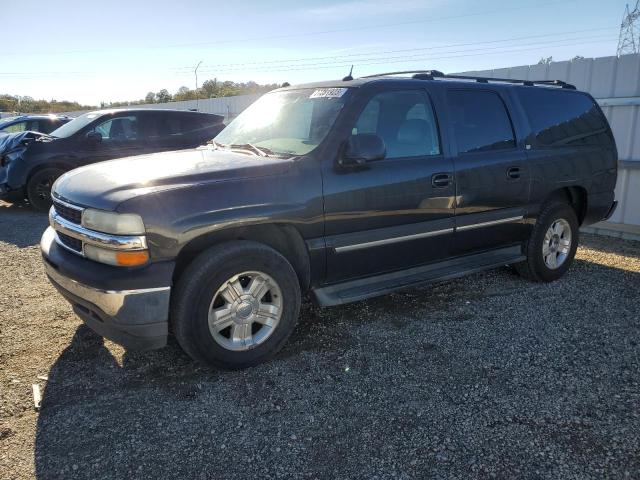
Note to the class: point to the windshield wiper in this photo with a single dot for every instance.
(262, 151)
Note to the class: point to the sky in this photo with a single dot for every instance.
(120, 50)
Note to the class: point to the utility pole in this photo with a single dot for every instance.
(629, 41)
(196, 74)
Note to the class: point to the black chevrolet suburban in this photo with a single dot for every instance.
(31, 162)
(344, 190)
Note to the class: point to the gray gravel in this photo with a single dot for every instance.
(484, 377)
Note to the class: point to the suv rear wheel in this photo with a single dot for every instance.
(39, 188)
(235, 305)
(552, 245)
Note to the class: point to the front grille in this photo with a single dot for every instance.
(70, 242)
(71, 214)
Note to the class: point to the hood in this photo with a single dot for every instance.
(105, 185)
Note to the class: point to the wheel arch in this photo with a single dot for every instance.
(62, 164)
(575, 196)
(285, 239)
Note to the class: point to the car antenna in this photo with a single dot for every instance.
(348, 77)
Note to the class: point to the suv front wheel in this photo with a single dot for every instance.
(235, 305)
(552, 245)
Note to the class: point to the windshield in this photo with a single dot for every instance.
(74, 125)
(286, 123)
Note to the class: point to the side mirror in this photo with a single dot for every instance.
(363, 148)
(94, 137)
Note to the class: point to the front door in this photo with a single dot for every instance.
(121, 137)
(396, 212)
(492, 176)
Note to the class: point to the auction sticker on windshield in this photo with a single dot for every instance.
(328, 93)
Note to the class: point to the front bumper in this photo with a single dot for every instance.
(135, 318)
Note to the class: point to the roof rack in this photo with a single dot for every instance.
(433, 74)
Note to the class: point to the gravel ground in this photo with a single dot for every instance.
(488, 376)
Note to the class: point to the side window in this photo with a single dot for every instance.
(404, 120)
(48, 126)
(560, 117)
(16, 127)
(167, 125)
(119, 128)
(480, 121)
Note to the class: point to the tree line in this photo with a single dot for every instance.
(209, 89)
(14, 103)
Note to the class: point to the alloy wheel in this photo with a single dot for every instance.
(245, 311)
(557, 243)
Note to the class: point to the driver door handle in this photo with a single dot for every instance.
(513, 173)
(441, 180)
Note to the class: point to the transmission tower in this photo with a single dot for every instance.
(629, 41)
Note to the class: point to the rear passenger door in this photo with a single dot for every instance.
(171, 131)
(492, 176)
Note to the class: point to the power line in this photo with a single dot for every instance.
(405, 58)
(320, 32)
(367, 27)
(346, 60)
(352, 55)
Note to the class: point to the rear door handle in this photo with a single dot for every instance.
(440, 180)
(513, 173)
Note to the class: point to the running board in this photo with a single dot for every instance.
(362, 288)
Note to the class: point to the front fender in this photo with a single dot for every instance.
(173, 218)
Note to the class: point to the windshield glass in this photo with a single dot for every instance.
(74, 125)
(287, 123)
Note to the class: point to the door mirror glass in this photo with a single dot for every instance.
(363, 148)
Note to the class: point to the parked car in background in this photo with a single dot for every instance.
(34, 123)
(346, 190)
(29, 164)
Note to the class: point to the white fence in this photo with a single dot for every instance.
(615, 83)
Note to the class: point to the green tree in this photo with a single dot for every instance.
(163, 96)
(210, 88)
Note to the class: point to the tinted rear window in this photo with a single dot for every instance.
(559, 117)
(177, 124)
(480, 121)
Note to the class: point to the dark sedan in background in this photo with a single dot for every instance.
(34, 123)
(31, 162)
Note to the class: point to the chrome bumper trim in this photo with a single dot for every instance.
(114, 242)
(136, 307)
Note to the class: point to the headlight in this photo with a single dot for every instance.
(118, 258)
(110, 222)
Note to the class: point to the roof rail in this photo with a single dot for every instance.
(433, 74)
(430, 73)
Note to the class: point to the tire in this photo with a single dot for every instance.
(205, 291)
(541, 249)
(39, 188)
